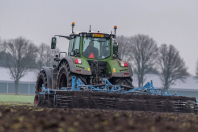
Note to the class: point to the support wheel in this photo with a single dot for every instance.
(38, 100)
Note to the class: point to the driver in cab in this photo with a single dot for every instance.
(91, 51)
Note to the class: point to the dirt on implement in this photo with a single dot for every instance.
(30, 119)
(101, 100)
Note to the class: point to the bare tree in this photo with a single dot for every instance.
(2, 45)
(143, 52)
(2, 53)
(21, 59)
(41, 55)
(46, 55)
(171, 66)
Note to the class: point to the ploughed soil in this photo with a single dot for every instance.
(26, 118)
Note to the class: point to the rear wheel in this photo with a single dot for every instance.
(41, 79)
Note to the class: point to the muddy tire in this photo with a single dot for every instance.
(41, 79)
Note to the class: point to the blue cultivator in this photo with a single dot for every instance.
(106, 86)
(111, 96)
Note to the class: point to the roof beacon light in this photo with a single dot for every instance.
(73, 24)
(115, 27)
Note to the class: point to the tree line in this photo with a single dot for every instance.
(146, 58)
(20, 56)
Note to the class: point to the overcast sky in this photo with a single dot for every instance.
(166, 21)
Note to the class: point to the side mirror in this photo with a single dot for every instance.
(53, 43)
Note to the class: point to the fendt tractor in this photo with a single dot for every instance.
(92, 75)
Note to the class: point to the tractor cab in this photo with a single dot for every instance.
(90, 45)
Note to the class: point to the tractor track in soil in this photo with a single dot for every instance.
(28, 118)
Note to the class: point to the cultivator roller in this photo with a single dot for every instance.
(108, 96)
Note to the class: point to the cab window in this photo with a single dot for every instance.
(74, 45)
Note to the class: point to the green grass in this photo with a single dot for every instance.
(16, 98)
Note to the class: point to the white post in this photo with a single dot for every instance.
(29, 89)
(7, 88)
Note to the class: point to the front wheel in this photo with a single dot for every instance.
(64, 76)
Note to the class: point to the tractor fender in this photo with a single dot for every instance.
(48, 73)
(115, 70)
(72, 66)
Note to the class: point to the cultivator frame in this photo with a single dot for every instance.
(108, 96)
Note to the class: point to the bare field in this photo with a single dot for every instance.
(22, 118)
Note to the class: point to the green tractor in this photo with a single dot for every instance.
(91, 57)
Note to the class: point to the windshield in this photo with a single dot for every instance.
(96, 48)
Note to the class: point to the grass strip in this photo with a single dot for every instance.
(16, 98)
